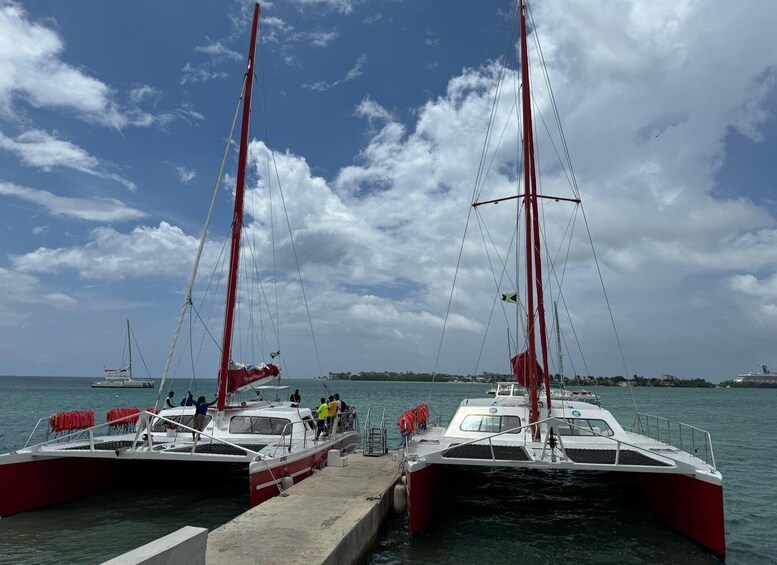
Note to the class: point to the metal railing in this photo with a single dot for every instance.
(556, 423)
(685, 437)
(141, 439)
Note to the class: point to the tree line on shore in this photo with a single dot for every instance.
(485, 377)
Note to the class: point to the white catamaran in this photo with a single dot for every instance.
(122, 378)
(532, 429)
(268, 444)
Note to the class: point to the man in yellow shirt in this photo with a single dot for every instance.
(322, 412)
(330, 415)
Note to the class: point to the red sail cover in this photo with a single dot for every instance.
(242, 376)
(521, 369)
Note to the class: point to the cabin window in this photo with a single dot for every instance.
(185, 419)
(259, 425)
(310, 422)
(585, 427)
(490, 424)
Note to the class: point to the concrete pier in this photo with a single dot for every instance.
(330, 518)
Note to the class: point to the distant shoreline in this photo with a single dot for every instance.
(668, 381)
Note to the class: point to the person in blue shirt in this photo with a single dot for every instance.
(188, 401)
(200, 410)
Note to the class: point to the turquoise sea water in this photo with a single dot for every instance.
(492, 517)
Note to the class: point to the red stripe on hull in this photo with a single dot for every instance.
(691, 506)
(423, 489)
(37, 483)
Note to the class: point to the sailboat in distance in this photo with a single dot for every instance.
(672, 465)
(122, 378)
(271, 442)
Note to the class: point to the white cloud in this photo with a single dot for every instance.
(39, 149)
(373, 111)
(218, 50)
(110, 255)
(192, 74)
(32, 70)
(342, 6)
(91, 209)
(354, 72)
(185, 175)
(144, 92)
(322, 38)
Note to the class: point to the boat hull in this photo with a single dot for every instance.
(30, 482)
(690, 505)
(265, 478)
(423, 491)
(134, 384)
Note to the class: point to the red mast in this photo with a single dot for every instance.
(532, 235)
(237, 220)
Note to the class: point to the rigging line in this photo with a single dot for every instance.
(607, 301)
(498, 284)
(475, 193)
(264, 295)
(191, 353)
(277, 330)
(492, 117)
(299, 270)
(479, 178)
(555, 149)
(288, 224)
(218, 267)
(193, 276)
(561, 296)
(556, 114)
(513, 107)
(218, 345)
(450, 296)
(140, 353)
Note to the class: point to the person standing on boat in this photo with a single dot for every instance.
(331, 414)
(295, 398)
(169, 400)
(200, 410)
(322, 411)
(188, 401)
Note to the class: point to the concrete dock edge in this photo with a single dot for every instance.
(186, 545)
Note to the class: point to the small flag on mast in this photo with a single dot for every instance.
(275, 354)
(510, 297)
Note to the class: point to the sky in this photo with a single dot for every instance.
(371, 116)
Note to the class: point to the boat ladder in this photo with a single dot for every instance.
(375, 438)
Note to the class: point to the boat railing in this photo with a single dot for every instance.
(147, 439)
(374, 439)
(79, 433)
(142, 439)
(289, 428)
(685, 437)
(366, 429)
(556, 423)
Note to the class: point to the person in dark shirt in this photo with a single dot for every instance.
(295, 398)
(200, 410)
(188, 401)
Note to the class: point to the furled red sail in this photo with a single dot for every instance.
(243, 376)
(521, 369)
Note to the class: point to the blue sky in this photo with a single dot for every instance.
(113, 118)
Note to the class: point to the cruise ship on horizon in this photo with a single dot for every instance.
(766, 376)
